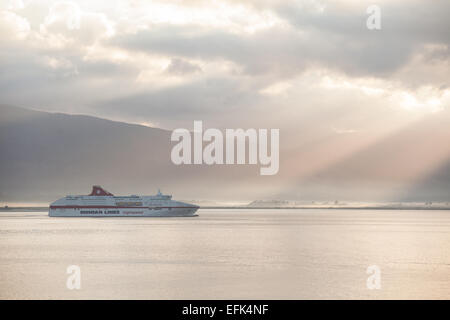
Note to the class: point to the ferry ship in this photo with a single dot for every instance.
(101, 203)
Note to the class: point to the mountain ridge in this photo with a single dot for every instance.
(48, 155)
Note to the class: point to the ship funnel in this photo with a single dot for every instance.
(99, 191)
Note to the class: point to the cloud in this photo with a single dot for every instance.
(340, 34)
(199, 58)
(13, 26)
(202, 99)
(67, 22)
(332, 36)
(180, 67)
(11, 5)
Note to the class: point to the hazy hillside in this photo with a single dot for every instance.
(47, 155)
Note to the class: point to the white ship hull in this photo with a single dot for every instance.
(119, 212)
(101, 203)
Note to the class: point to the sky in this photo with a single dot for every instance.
(310, 68)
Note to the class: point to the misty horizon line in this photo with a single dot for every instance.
(263, 202)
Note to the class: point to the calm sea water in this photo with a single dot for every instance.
(228, 254)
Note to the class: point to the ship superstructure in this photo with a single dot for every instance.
(101, 203)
